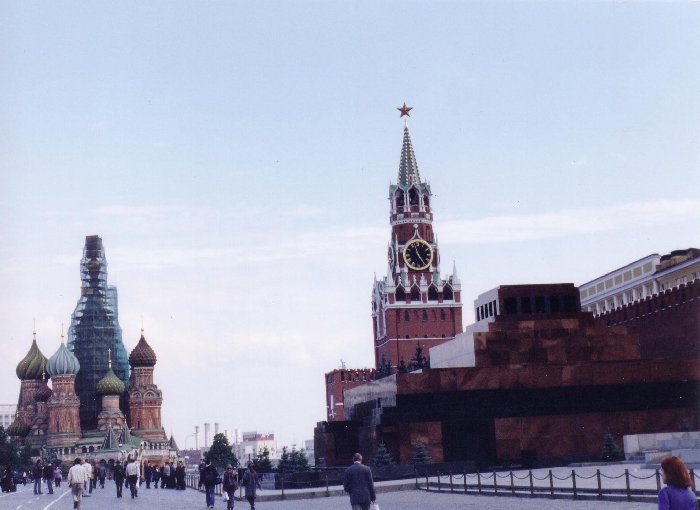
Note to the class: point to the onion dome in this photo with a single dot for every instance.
(18, 428)
(110, 384)
(32, 366)
(63, 362)
(142, 355)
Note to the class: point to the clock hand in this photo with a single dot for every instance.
(419, 256)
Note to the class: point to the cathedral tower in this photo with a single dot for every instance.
(63, 405)
(111, 388)
(31, 372)
(145, 399)
(94, 330)
(414, 306)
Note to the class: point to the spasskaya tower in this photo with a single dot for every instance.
(414, 305)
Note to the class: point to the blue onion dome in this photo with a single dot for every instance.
(63, 362)
(18, 428)
(110, 384)
(142, 355)
(32, 365)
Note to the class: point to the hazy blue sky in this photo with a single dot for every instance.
(235, 157)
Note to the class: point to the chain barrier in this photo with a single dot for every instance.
(491, 483)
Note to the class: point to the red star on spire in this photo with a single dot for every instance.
(404, 110)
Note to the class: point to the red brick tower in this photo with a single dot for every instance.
(145, 399)
(63, 405)
(414, 305)
(31, 372)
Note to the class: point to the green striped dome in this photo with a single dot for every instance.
(18, 428)
(32, 366)
(110, 384)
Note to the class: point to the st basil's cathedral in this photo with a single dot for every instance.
(102, 404)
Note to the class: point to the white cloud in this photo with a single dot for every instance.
(570, 222)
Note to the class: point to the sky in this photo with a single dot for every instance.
(235, 158)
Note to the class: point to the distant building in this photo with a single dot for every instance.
(7, 414)
(254, 442)
(638, 280)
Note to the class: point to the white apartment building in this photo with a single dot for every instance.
(7, 414)
(635, 281)
(254, 442)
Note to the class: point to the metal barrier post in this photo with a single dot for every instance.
(573, 482)
(532, 487)
(600, 487)
(478, 480)
(551, 484)
(464, 472)
(627, 483)
(328, 491)
(427, 482)
(416, 472)
(452, 489)
(658, 480)
(282, 484)
(692, 478)
(512, 485)
(495, 484)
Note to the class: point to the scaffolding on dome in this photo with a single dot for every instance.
(94, 330)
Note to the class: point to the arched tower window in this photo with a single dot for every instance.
(398, 198)
(400, 294)
(432, 293)
(406, 316)
(425, 315)
(415, 294)
(442, 315)
(413, 196)
(447, 293)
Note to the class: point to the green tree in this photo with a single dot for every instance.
(384, 368)
(419, 361)
(261, 462)
(420, 455)
(220, 453)
(403, 368)
(8, 451)
(611, 452)
(293, 461)
(382, 457)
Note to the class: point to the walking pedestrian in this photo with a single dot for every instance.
(87, 467)
(77, 478)
(57, 476)
(156, 475)
(132, 475)
(47, 474)
(358, 483)
(180, 476)
(147, 475)
(677, 494)
(37, 472)
(209, 476)
(230, 480)
(93, 476)
(102, 473)
(119, 475)
(251, 484)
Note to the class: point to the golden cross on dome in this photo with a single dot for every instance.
(405, 110)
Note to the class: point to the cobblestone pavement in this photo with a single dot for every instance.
(104, 499)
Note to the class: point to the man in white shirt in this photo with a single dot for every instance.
(76, 482)
(132, 474)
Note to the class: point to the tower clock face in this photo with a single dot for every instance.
(418, 254)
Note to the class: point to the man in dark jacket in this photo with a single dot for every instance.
(47, 474)
(119, 475)
(358, 483)
(209, 479)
